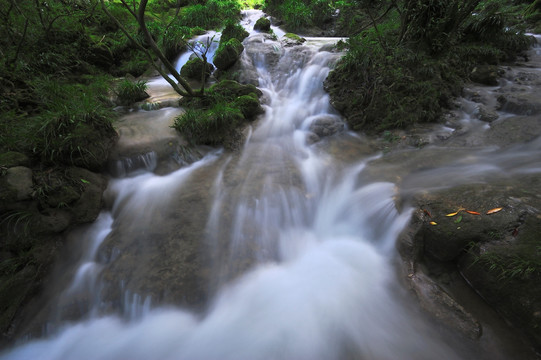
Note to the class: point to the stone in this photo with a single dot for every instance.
(192, 69)
(262, 24)
(485, 114)
(486, 75)
(290, 39)
(228, 54)
(20, 179)
(327, 125)
(88, 206)
(443, 306)
(520, 103)
(249, 106)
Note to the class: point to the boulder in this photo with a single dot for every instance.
(249, 106)
(234, 31)
(262, 24)
(485, 114)
(192, 69)
(228, 53)
(88, 206)
(327, 125)
(520, 103)
(19, 179)
(290, 39)
(486, 75)
(497, 254)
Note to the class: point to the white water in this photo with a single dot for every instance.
(319, 282)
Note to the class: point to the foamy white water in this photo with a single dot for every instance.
(302, 243)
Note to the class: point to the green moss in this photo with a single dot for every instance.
(233, 30)
(262, 24)
(249, 106)
(192, 69)
(295, 37)
(215, 118)
(228, 53)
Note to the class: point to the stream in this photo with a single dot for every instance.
(284, 250)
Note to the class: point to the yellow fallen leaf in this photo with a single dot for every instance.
(453, 214)
(433, 223)
(495, 210)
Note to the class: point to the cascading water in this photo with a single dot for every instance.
(299, 245)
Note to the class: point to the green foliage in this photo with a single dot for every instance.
(210, 126)
(129, 91)
(212, 15)
(510, 266)
(215, 117)
(233, 30)
(411, 60)
(69, 126)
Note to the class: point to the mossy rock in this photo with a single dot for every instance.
(293, 39)
(228, 53)
(262, 24)
(192, 69)
(13, 158)
(234, 31)
(235, 89)
(249, 106)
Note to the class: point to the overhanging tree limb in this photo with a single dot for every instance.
(184, 89)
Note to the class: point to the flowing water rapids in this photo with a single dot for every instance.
(291, 240)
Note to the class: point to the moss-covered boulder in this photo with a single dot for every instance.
(217, 118)
(292, 39)
(194, 67)
(262, 24)
(228, 53)
(249, 105)
(234, 31)
(486, 75)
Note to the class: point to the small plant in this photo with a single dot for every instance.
(18, 221)
(129, 92)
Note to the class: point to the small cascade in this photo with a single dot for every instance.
(284, 250)
(128, 165)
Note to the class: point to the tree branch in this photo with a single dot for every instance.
(145, 51)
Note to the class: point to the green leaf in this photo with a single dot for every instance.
(85, 181)
(458, 219)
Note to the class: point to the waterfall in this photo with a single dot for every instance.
(299, 244)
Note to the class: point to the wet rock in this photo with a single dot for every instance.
(513, 130)
(485, 114)
(194, 67)
(327, 125)
(249, 106)
(54, 221)
(262, 24)
(263, 47)
(290, 39)
(228, 54)
(19, 180)
(442, 306)
(88, 206)
(486, 75)
(497, 254)
(520, 103)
